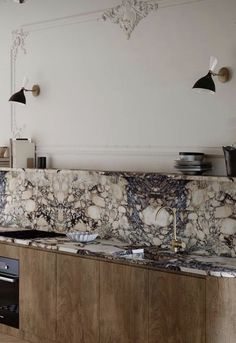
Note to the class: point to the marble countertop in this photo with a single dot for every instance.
(149, 256)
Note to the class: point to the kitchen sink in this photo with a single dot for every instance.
(151, 253)
(155, 254)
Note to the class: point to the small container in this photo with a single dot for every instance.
(230, 160)
(30, 163)
(42, 162)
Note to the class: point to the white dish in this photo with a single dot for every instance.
(84, 237)
(193, 171)
(192, 163)
(193, 168)
(191, 156)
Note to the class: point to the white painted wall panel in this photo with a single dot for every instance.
(112, 103)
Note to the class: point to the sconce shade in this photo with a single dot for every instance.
(206, 82)
(18, 97)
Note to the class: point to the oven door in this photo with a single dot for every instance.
(9, 300)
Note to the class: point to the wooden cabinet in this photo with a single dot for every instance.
(77, 300)
(123, 304)
(38, 295)
(9, 251)
(73, 299)
(176, 308)
(220, 310)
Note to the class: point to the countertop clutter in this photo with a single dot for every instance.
(150, 256)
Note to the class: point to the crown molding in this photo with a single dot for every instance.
(74, 19)
(128, 150)
(80, 18)
(173, 3)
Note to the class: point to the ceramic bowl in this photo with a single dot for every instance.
(78, 236)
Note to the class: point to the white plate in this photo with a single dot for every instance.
(193, 168)
(192, 163)
(191, 156)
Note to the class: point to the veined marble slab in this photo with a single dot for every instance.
(124, 206)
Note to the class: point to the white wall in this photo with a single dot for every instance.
(112, 103)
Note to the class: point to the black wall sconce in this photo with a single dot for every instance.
(207, 83)
(20, 96)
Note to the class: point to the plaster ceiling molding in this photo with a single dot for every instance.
(129, 13)
(17, 1)
(18, 42)
(20, 1)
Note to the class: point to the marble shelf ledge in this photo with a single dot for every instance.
(176, 176)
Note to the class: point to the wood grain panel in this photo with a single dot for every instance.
(176, 308)
(10, 339)
(78, 300)
(9, 251)
(38, 293)
(28, 337)
(221, 310)
(7, 330)
(123, 304)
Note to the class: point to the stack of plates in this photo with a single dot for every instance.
(192, 163)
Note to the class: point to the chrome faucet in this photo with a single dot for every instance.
(176, 244)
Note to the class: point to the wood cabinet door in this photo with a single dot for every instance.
(123, 304)
(38, 294)
(77, 300)
(176, 308)
(9, 251)
(221, 310)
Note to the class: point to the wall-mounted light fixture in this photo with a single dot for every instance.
(20, 96)
(207, 83)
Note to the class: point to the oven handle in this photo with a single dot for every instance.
(8, 279)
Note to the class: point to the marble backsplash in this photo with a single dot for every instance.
(123, 205)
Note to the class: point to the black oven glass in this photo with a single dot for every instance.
(9, 292)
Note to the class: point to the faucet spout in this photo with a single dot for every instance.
(176, 244)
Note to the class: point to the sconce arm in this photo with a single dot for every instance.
(223, 74)
(35, 90)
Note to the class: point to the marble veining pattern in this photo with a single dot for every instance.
(123, 206)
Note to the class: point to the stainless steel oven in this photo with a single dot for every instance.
(9, 292)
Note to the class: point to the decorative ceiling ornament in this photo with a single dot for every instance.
(20, 1)
(129, 14)
(16, 1)
(19, 37)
